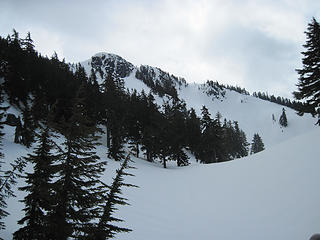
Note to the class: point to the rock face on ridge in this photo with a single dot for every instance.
(159, 81)
(106, 63)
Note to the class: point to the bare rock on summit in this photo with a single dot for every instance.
(315, 237)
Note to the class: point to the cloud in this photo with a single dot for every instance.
(254, 44)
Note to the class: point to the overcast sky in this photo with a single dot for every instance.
(255, 44)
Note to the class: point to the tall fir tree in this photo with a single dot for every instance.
(151, 126)
(38, 204)
(114, 114)
(193, 133)
(175, 114)
(241, 146)
(78, 169)
(28, 127)
(106, 227)
(8, 179)
(3, 204)
(208, 150)
(134, 122)
(309, 76)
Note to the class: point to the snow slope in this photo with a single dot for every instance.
(270, 195)
(254, 115)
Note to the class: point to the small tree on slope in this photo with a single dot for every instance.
(283, 119)
(257, 144)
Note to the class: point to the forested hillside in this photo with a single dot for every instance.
(56, 115)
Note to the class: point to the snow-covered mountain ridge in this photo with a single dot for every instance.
(253, 115)
(269, 195)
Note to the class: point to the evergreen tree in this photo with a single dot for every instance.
(28, 127)
(151, 126)
(94, 98)
(134, 122)
(240, 145)
(257, 144)
(114, 114)
(193, 131)
(283, 119)
(228, 133)
(78, 169)
(209, 138)
(27, 43)
(105, 228)
(38, 203)
(39, 109)
(175, 114)
(220, 144)
(3, 110)
(18, 132)
(309, 75)
(3, 195)
(7, 180)
(162, 139)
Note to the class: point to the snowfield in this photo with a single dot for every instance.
(270, 195)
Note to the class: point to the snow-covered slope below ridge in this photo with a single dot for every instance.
(269, 195)
(253, 115)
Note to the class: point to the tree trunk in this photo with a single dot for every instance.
(164, 162)
(108, 137)
(137, 147)
(148, 156)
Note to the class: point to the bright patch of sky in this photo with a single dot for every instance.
(253, 44)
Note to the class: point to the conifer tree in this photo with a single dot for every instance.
(27, 43)
(208, 149)
(162, 139)
(220, 144)
(309, 75)
(3, 195)
(114, 114)
(150, 127)
(257, 144)
(39, 109)
(38, 203)
(175, 131)
(78, 169)
(7, 180)
(240, 145)
(106, 228)
(134, 121)
(193, 133)
(18, 132)
(283, 119)
(94, 98)
(28, 127)
(3, 110)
